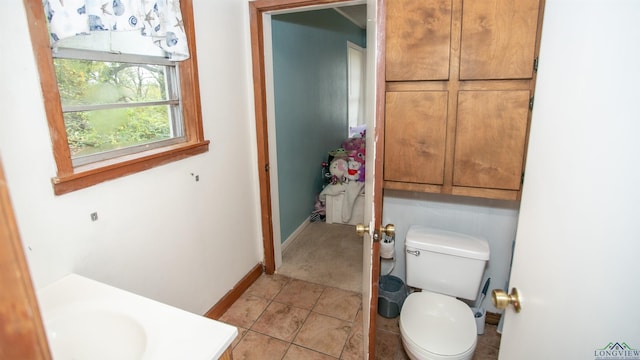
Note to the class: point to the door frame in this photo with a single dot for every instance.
(24, 336)
(257, 10)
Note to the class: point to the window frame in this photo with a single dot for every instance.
(172, 78)
(71, 178)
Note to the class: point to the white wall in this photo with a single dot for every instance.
(495, 220)
(160, 233)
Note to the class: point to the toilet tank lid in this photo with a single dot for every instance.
(447, 242)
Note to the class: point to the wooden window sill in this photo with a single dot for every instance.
(95, 173)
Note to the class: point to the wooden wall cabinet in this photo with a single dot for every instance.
(460, 77)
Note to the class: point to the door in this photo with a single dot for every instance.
(374, 113)
(576, 258)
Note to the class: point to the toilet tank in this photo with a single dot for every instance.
(445, 262)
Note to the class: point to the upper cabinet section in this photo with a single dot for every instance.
(460, 80)
(491, 135)
(418, 40)
(415, 136)
(498, 39)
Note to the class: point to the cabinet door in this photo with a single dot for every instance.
(415, 134)
(418, 39)
(490, 138)
(498, 39)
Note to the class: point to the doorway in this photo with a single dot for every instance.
(308, 105)
(260, 12)
(317, 61)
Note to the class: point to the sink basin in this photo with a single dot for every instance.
(96, 334)
(89, 320)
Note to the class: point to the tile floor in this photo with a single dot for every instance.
(283, 318)
(326, 254)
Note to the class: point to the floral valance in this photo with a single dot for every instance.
(159, 20)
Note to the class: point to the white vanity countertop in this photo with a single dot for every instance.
(170, 333)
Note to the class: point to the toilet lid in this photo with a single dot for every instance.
(438, 323)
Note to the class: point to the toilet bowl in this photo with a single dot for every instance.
(437, 327)
(434, 323)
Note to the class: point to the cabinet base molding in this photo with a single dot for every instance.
(498, 194)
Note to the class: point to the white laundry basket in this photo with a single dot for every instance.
(333, 205)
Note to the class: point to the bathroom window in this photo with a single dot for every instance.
(356, 58)
(114, 113)
(115, 105)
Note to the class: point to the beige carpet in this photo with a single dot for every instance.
(325, 254)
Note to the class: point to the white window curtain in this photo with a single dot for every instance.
(159, 21)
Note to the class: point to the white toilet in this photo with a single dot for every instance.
(445, 265)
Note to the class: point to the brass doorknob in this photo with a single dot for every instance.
(501, 299)
(362, 229)
(390, 229)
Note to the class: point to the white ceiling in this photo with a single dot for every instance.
(356, 13)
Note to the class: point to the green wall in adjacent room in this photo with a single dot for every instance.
(310, 83)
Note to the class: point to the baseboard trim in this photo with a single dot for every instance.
(294, 235)
(230, 297)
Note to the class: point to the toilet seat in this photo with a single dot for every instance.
(436, 326)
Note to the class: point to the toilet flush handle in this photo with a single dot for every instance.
(413, 252)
